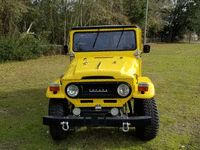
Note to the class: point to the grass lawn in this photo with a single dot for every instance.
(173, 68)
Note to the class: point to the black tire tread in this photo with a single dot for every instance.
(57, 108)
(149, 109)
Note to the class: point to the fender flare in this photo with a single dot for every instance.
(151, 90)
(59, 94)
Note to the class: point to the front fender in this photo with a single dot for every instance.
(59, 94)
(148, 94)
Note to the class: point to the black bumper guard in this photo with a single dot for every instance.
(134, 121)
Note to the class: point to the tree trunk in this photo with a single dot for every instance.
(65, 24)
(189, 37)
(30, 27)
(81, 16)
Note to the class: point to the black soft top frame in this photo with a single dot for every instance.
(104, 27)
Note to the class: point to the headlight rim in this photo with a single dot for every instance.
(68, 87)
(130, 90)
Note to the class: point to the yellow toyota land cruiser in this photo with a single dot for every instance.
(103, 85)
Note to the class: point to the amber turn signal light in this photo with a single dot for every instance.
(54, 87)
(142, 86)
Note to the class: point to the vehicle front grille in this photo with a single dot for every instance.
(97, 90)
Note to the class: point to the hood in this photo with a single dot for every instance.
(117, 67)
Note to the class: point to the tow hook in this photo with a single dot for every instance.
(65, 126)
(125, 126)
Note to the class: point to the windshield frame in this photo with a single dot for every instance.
(135, 41)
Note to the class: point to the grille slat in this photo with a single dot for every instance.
(86, 101)
(110, 101)
(98, 77)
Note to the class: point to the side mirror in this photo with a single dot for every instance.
(146, 48)
(65, 49)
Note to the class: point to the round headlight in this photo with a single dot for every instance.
(123, 90)
(72, 90)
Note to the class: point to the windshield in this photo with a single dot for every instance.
(104, 41)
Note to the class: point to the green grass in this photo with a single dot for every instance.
(173, 68)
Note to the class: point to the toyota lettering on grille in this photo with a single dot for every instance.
(98, 90)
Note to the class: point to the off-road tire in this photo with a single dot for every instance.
(147, 107)
(57, 107)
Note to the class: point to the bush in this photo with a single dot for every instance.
(21, 48)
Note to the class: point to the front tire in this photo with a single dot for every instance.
(57, 107)
(147, 107)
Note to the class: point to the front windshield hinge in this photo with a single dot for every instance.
(72, 55)
(137, 54)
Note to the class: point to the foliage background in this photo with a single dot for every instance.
(50, 21)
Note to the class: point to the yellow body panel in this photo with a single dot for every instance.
(123, 66)
(110, 66)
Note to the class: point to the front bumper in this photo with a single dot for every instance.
(95, 121)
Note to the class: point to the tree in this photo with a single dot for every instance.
(157, 15)
(193, 18)
(11, 12)
(183, 17)
(136, 9)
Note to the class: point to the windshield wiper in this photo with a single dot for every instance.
(95, 40)
(119, 39)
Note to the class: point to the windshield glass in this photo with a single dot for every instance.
(104, 41)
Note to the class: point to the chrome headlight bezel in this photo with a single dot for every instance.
(125, 87)
(72, 90)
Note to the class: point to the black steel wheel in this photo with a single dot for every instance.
(58, 107)
(147, 107)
